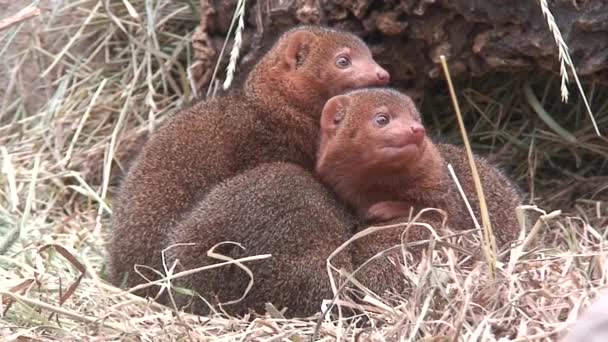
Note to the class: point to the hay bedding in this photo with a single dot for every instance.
(85, 81)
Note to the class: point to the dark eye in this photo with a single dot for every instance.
(343, 62)
(382, 119)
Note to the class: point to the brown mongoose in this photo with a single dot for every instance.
(375, 154)
(274, 118)
(276, 208)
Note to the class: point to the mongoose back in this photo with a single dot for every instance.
(278, 209)
(375, 154)
(274, 118)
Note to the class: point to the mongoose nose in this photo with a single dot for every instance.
(383, 75)
(418, 133)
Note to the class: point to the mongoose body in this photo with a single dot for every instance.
(281, 210)
(274, 118)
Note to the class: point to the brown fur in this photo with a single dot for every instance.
(382, 185)
(276, 208)
(273, 119)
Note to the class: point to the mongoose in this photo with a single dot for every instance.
(375, 154)
(273, 118)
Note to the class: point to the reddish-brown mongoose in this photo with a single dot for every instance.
(274, 118)
(375, 154)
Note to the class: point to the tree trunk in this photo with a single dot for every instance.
(408, 36)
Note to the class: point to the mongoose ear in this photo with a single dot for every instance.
(298, 46)
(333, 113)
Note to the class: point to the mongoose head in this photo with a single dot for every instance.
(310, 64)
(369, 130)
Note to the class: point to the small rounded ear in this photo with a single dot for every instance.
(298, 45)
(333, 113)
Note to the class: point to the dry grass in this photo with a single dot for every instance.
(114, 69)
(565, 59)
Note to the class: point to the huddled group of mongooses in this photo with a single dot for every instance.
(310, 150)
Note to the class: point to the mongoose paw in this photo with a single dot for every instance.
(386, 211)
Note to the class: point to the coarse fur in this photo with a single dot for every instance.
(274, 118)
(289, 215)
(384, 170)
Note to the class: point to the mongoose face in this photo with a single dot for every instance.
(310, 64)
(350, 66)
(373, 147)
(371, 129)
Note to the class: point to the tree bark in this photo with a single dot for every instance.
(408, 36)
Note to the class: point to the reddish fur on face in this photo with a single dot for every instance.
(306, 73)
